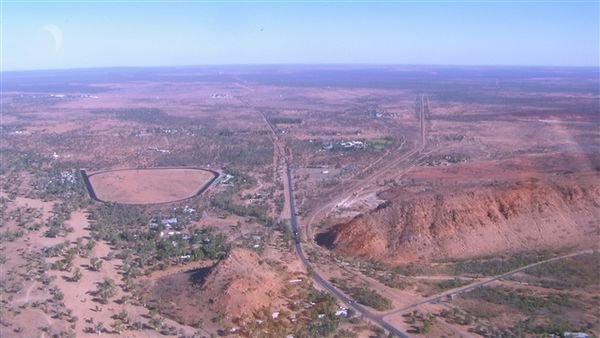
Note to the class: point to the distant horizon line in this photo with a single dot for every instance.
(375, 65)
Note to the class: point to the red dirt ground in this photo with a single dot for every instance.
(148, 186)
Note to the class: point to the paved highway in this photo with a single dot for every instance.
(324, 283)
(315, 275)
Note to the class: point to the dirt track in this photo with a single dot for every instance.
(481, 283)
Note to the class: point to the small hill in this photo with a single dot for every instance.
(240, 284)
(243, 283)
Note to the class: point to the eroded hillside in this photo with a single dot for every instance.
(239, 284)
(541, 213)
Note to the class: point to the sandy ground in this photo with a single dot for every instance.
(78, 296)
(148, 186)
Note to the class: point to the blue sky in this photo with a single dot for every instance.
(68, 34)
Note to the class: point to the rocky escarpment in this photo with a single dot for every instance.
(456, 224)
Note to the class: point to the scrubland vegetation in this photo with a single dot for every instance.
(77, 267)
(363, 295)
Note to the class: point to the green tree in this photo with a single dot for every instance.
(117, 325)
(427, 325)
(106, 290)
(99, 327)
(76, 275)
(155, 320)
(57, 295)
(95, 264)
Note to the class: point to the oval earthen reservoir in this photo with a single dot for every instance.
(148, 185)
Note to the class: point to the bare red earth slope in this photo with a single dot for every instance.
(529, 214)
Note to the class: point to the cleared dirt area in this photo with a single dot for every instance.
(149, 186)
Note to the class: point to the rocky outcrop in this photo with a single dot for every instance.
(457, 224)
(242, 283)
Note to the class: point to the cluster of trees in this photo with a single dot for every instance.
(435, 160)
(4, 210)
(61, 212)
(10, 283)
(202, 244)
(60, 181)
(12, 163)
(127, 229)
(259, 212)
(447, 284)
(13, 160)
(381, 333)
(285, 120)
(120, 321)
(364, 295)
(318, 320)
(247, 153)
(456, 316)
(224, 201)
(370, 297)
(56, 182)
(24, 216)
(325, 304)
(551, 326)
(117, 223)
(279, 203)
(9, 236)
(574, 272)
(498, 265)
(68, 253)
(454, 137)
(79, 247)
(520, 299)
(242, 151)
(421, 323)
(394, 277)
(146, 115)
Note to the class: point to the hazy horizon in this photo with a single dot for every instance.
(67, 35)
(307, 65)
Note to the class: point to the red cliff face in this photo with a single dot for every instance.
(525, 215)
